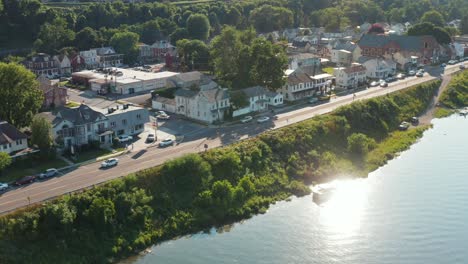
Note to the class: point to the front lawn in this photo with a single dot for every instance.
(89, 155)
(29, 166)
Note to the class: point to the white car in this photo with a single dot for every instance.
(160, 113)
(163, 116)
(383, 84)
(166, 142)
(400, 76)
(263, 119)
(420, 74)
(411, 73)
(48, 173)
(125, 138)
(109, 163)
(3, 187)
(246, 119)
(374, 84)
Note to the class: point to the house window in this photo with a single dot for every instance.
(124, 122)
(19, 142)
(88, 127)
(139, 115)
(112, 124)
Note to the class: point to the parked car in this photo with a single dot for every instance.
(324, 98)
(3, 186)
(246, 119)
(125, 138)
(150, 138)
(414, 121)
(443, 65)
(25, 180)
(383, 84)
(401, 76)
(420, 74)
(404, 126)
(160, 113)
(390, 79)
(313, 100)
(166, 142)
(452, 62)
(109, 163)
(163, 116)
(263, 119)
(411, 73)
(48, 173)
(374, 84)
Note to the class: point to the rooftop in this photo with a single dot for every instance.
(125, 75)
(9, 133)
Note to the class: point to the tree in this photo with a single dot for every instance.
(126, 43)
(150, 32)
(442, 36)
(194, 53)
(198, 26)
(87, 38)
(53, 36)
(20, 98)
(333, 19)
(5, 161)
(376, 29)
(225, 50)
(464, 24)
(178, 34)
(269, 62)
(359, 144)
(433, 17)
(41, 133)
(268, 18)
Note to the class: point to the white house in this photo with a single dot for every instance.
(12, 141)
(208, 104)
(163, 103)
(257, 100)
(350, 77)
(377, 68)
(64, 64)
(274, 99)
(298, 86)
(90, 58)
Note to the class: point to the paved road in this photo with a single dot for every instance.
(89, 175)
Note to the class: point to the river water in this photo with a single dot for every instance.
(413, 210)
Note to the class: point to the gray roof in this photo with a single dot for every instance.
(254, 91)
(9, 133)
(190, 76)
(214, 95)
(344, 45)
(185, 93)
(165, 100)
(79, 115)
(411, 43)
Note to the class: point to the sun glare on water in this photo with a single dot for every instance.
(342, 213)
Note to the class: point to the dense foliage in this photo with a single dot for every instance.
(456, 94)
(221, 185)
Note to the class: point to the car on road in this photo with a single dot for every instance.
(109, 163)
(420, 74)
(48, 173)
(411, 73)
(3, 186)
(462, 67)
(246, 119)
(374, 84)
(313, 100)
(383, 84)
(452, 62)
(25, 180)
(166, 142)
(401, 76)
(160, 113)
(443, 65)
(390, 79)
(125, 138)
(263, 119)
(404, 126)
(414, 121)
(150, 138)
(163, 116)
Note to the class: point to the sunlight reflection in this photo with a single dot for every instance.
(341, 214)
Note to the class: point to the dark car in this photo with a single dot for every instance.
(25, 180)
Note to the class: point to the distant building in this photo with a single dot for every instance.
(42, 64)
(126, 119)
(257, 100)
(54, 95)
(64, 64)
(350, 77)
(377, 68)
(298, 86)
(12, 141)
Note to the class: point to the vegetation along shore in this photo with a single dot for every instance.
(198, 191)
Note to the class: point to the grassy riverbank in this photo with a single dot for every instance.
(219, 186)
(456, 95)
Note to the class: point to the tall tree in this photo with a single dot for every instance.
(440, 34)
(269, 63)
(433, 17)
(198, 26)
(41, 133)
(87, 38)
(126, 43)
(268, 18)
(224, 51)
(20, 98)
(54, 36)
(464, 24)
(150, 32)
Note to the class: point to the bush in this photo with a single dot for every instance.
(359, 144)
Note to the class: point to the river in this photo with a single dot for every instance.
(413, 210)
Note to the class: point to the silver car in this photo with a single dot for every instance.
(48, 173)
(3, 187)
(109, 163)
(166, 142)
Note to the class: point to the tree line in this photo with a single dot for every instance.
(198, 191)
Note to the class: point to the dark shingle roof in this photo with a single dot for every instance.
(410, 43)
(79, 115)
(9, 133)
(298, 77)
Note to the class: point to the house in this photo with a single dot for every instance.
(257, 101)
(455, 23)
(64, 64)
(298, 60)
(162, 48)
(322, 82)
(274, 99)
(378, 68)
(342, 51)
(145, 53)
(126, 119)
(54, 95)
(80, 126)
(42, 64)
(12, 141)
(298, 86)
(302, 44)
(90, 58)
(186, 79)
(291, 33)
(350, 77)
(425, 48)
(77, 62)
(208, 104)
(107, 57)
(163, 103)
